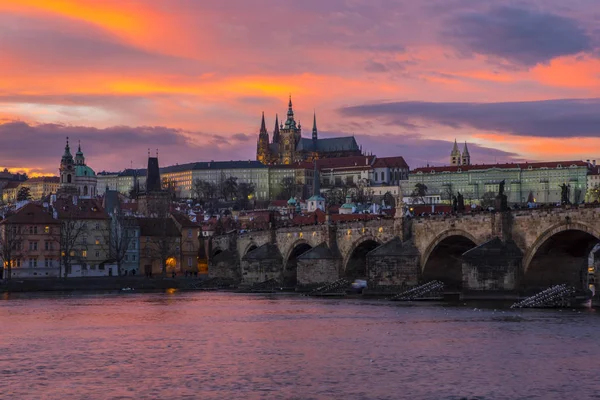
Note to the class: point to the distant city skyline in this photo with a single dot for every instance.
(193, 78)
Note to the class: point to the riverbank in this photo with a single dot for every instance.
(96, 284)
(160, 284)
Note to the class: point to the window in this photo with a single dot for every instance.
(72, 253)
(189, 233)
(33, 263)
(46, 229)
(97, 241)
(97, 254)
(133, 257)
(97, 226)
(84, 253)
(189, 261)
(48, 246)
(33, 246)
(33, 230)
(47, 263)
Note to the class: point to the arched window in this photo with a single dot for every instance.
(85, 191)
(69, 178)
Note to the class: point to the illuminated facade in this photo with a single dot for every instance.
(289, 147)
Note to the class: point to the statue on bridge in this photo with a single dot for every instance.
(454, 204)
(501, 199)
(460, 202)
(565, 193)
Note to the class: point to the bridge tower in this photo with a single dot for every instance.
(399, 217)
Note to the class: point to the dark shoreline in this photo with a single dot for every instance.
(140, 284)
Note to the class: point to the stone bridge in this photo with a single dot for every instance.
(511, 250)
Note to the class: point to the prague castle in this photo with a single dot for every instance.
(288, 146)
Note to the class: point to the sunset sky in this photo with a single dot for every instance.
(518, 80)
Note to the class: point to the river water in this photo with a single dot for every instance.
(234, 346)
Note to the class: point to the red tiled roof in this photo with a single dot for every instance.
(31, 213)
(390, 162)
(455, 168)
(278, 203)
(84, 209)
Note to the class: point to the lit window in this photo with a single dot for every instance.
(46, 229)
(84, 253)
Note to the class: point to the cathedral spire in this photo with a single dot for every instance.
(263, 127)
(276, 135)
(314, 130)
(455, 155)
(290, 123)
(466, 157)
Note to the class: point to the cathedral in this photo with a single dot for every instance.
(76, 178)
(456, 158)
(288, 146)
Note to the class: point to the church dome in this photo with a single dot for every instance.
(84, 170)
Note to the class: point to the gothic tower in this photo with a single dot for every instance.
(67, 170)
(314, 131)
(262, 146)
(290, 134)
(466, 157)
(276, 135)
(455, 155)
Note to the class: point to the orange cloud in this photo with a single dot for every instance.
(571, 72)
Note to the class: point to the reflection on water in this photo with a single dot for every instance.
(230, 346)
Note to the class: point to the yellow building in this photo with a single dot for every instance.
(87, 224)
(42, 186)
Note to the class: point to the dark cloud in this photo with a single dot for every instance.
(419, 151)
(566, 118)
(242, 137)
(24, 145)
(523, 36)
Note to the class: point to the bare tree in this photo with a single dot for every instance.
(287, 188)
(11, 245)
(72, 239)
(488, 200)
(119, 237)
(448, 192)
(593, 194)
(203, 190)
(418, 194)
(230, 188)
(364, 193)
(389, 200)
(245, 192)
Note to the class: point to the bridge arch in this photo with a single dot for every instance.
(250, 247)
(442, 257)
(216, 251)
(559, 255)
(290, 261)
(355, 261)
